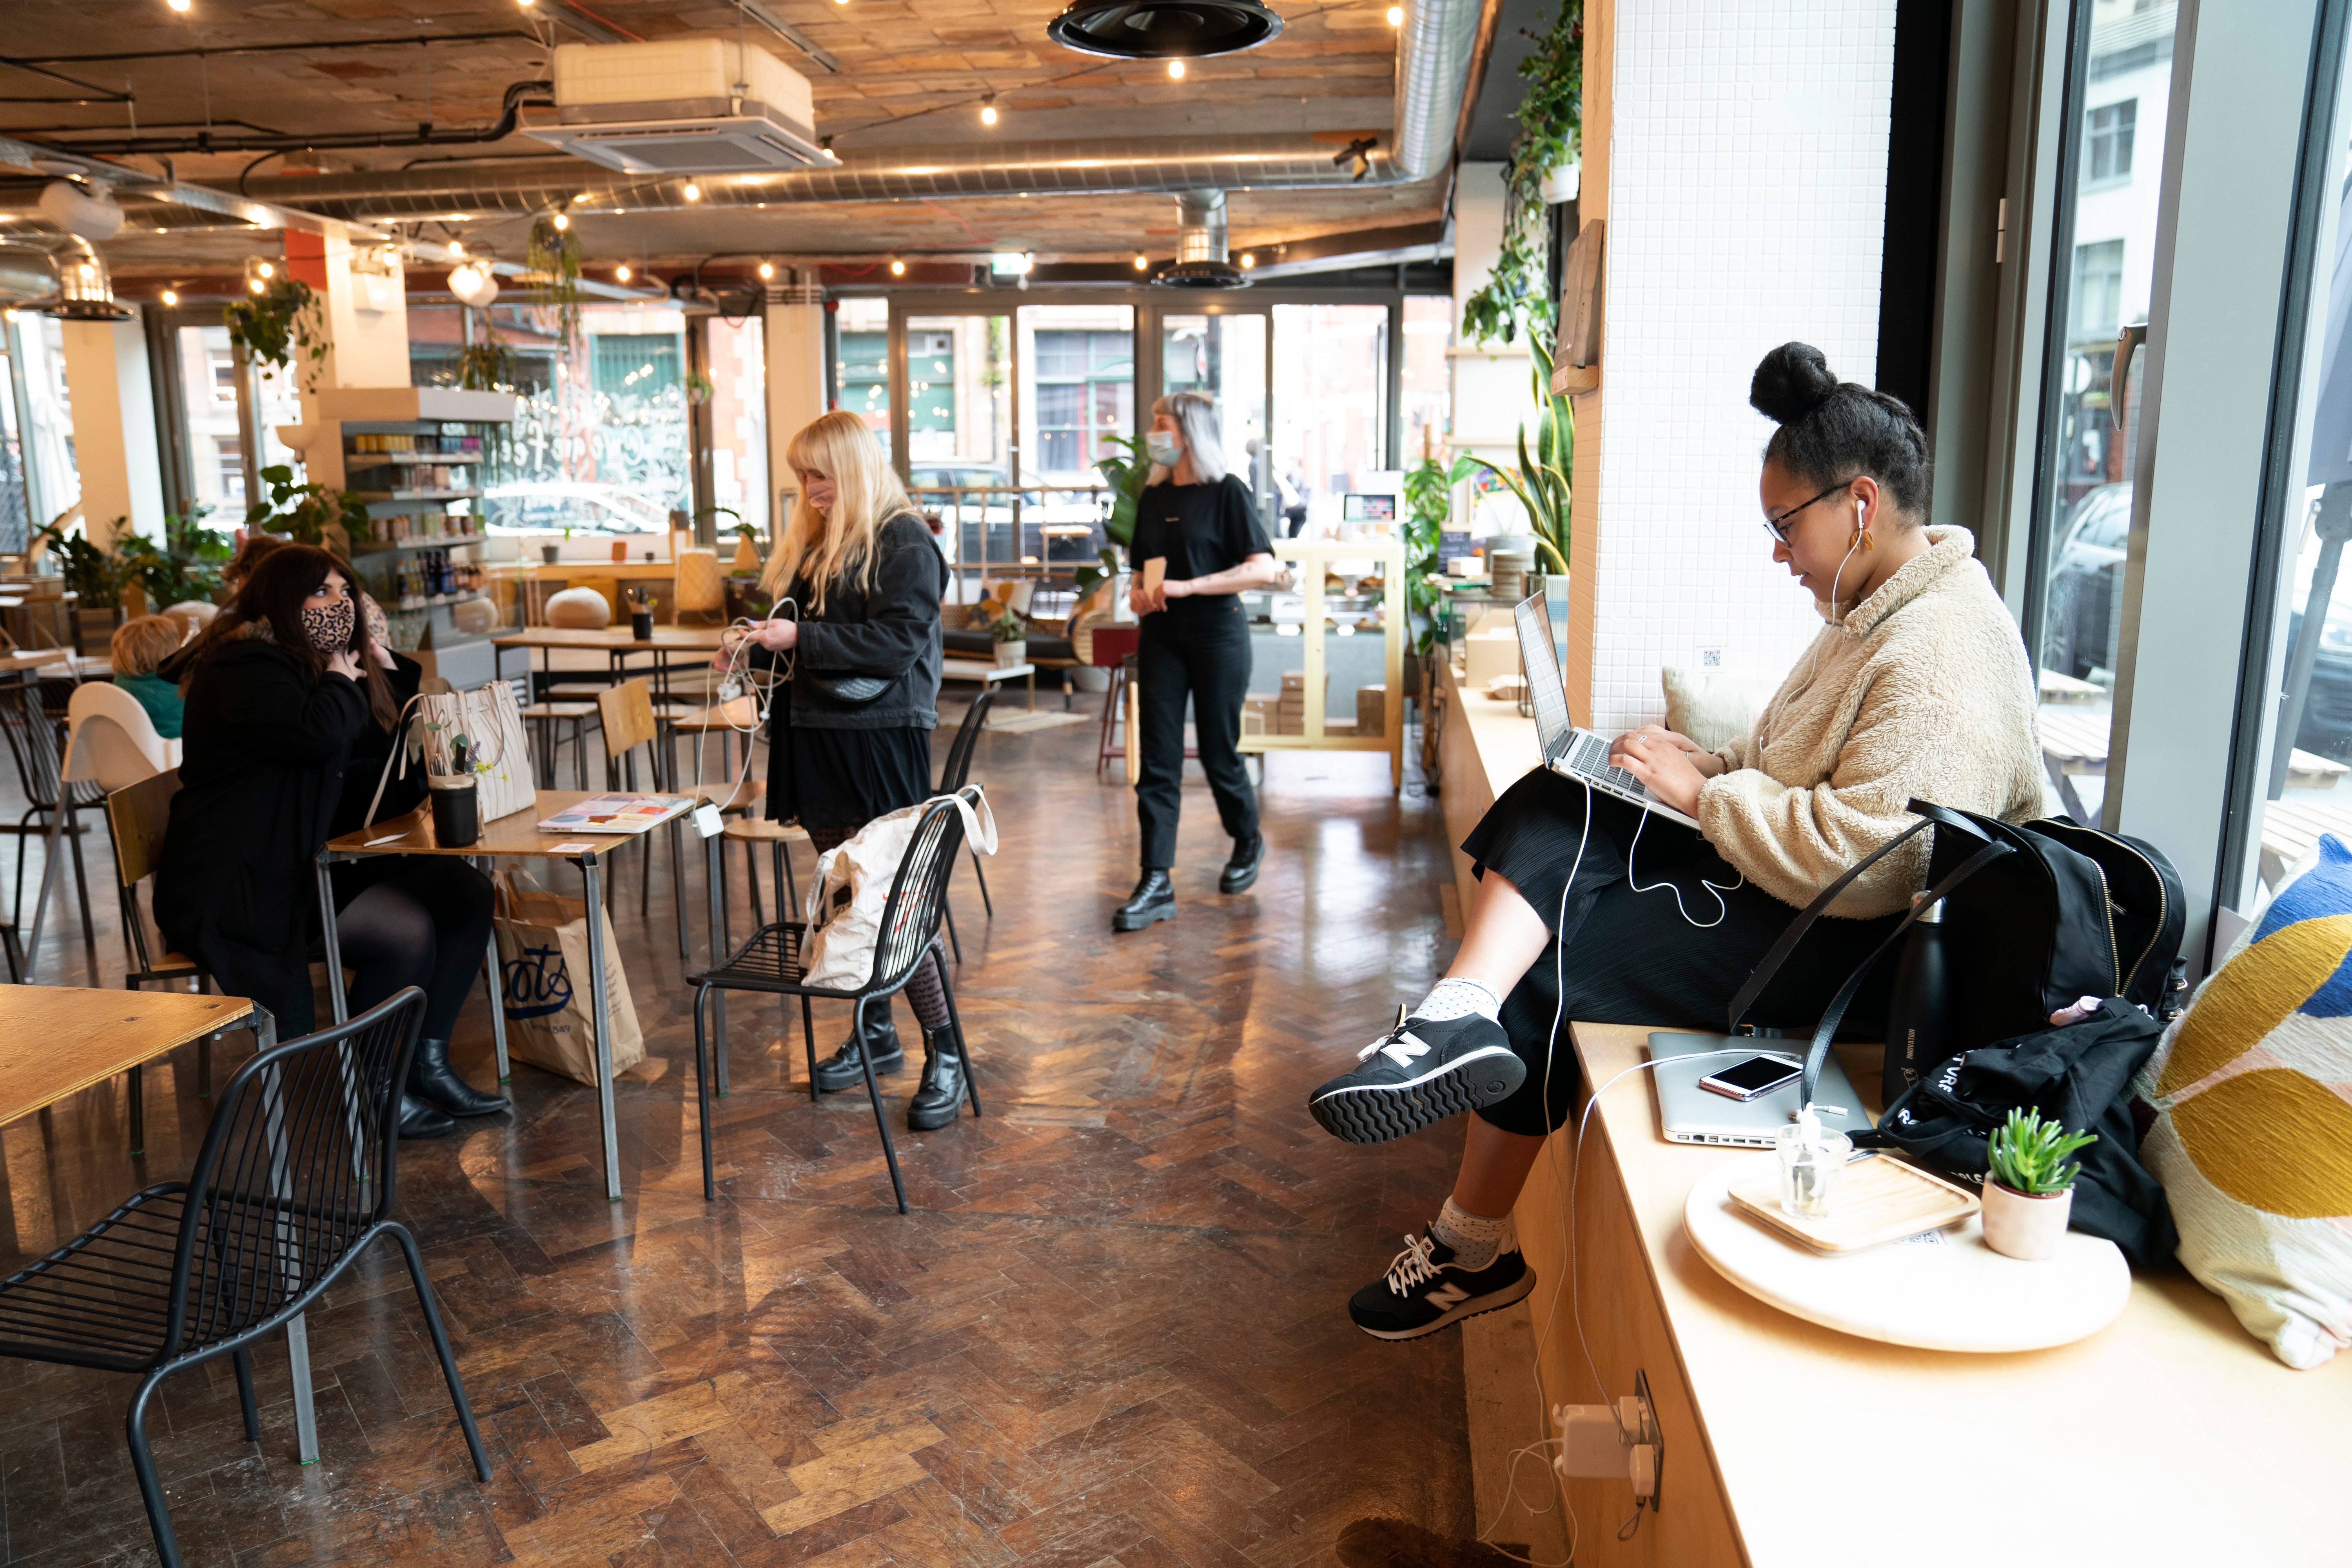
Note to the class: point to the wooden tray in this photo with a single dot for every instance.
(1876, 1201)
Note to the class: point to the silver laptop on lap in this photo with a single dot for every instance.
(1576, 753)
(1690, 1114)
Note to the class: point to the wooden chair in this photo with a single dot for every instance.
(137, 819)
(627, 713)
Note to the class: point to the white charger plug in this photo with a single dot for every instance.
(1603, 1442)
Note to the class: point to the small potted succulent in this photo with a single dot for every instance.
(1010, 633)
(551, 550)
(2029, 1191)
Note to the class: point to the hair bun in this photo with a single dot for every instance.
(1791, 383)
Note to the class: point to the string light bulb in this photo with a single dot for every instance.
(693, 192)
(170, 296)
(767, 269)
(1176, 70)
(266, 269)
(1142, 262)
(1396, 15)
(621, 273)
(180, 6)
(897, 268)
(1249, 259)
(254, 284)
(988, 110)
(562, 221)
(457, 247)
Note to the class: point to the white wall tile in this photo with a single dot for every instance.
(1746, 202)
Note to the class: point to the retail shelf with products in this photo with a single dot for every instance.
(1311, 613)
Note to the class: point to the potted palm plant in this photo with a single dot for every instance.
(95, 579)
(2029, 1191)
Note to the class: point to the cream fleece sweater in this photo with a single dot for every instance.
(1922, 689)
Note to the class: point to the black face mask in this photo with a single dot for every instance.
(328, 626)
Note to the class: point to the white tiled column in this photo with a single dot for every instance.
(794, 343)
(1744, 183)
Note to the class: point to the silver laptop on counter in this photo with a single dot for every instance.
(1576, 753)
(1690, 1114)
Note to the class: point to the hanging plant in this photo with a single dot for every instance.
(284, 321)
(1515, 297)
(552, 268)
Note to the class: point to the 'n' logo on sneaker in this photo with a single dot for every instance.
(1447, 1296)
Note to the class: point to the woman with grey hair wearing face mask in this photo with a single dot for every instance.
(1200, 523)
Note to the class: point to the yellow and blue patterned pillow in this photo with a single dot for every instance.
(2253, 1138)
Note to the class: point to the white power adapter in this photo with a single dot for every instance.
(1603, 1442)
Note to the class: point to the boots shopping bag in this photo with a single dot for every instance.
(543, 984)
(851, 884)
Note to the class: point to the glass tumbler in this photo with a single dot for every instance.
(1808, 1171)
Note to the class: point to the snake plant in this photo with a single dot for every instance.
(1541, 484)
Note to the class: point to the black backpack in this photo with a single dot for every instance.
(2037, 915)
(2078, 1074)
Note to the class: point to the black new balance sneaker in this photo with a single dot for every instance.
(1423, 1290)
(1422, 1071)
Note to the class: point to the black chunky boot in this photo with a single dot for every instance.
(1249, 853)
(939, 1099)
(1154, 899)
(432, 1079)
(418, 1119)
(843, 1070)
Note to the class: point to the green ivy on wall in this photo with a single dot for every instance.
(1515, 297)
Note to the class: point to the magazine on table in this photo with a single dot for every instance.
(616, 814)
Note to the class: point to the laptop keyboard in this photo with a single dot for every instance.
(1590, 756)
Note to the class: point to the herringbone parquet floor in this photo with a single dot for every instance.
(1111, 1332)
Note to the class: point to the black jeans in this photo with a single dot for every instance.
(422, 920)
(1207, 658)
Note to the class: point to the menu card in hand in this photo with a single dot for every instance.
(616, 814)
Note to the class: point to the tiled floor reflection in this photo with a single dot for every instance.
(1112, 1330)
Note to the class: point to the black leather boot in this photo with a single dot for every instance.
(418, 1119)
(842, 1069)
(1154, 899)
(939, 1099)
(1240, 871)
(432, 1079)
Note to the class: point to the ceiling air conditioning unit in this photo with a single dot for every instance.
(690, 106)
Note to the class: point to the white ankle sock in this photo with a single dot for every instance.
(1459, 999)
(1474, 1238)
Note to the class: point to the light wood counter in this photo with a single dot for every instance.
(2172, 1436)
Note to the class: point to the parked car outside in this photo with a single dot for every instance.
(549, 506)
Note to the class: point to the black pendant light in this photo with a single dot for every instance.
(1163, 30)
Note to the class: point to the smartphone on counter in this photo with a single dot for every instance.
(1747, 1081)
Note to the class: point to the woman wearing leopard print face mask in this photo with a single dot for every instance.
(284, 686)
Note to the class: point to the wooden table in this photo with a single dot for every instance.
(513, 838)
(57, 1040)
(990, 674)
(1792, 1446)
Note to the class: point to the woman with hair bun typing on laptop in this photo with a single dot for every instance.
(1592, 907)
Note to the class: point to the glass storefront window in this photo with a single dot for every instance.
(1428, 386)
(600, 441)
(1079, 389)
(208, 391)
(2297, 793)
(15, 493)
(1331, 403)
(39, 341)
(739, 423)
(1224, 356)
(2121, 75)
(861, 362)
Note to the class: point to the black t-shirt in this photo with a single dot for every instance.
(1200, 529)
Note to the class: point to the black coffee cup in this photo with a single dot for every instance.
(456, 813)
(641, 625)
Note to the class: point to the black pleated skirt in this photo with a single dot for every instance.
(840, 780)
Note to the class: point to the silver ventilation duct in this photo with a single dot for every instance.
(1201, 246)
(26, 276)
(1435, 49)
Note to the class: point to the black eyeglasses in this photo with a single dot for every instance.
(1776, 526)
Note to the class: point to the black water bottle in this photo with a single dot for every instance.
(1917, 1011)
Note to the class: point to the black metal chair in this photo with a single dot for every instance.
(294, 1180)
(772, 963)
(954, 774)
(31, 730)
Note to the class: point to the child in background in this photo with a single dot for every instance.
(139, 647)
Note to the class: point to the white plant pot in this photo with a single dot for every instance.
(1011, 653)
(2022, 1226)
(1560, 184)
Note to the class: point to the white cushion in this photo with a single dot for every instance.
(1711, 706)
